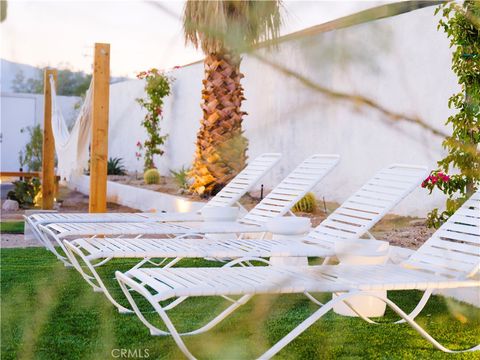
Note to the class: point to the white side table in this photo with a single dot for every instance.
(362, 252)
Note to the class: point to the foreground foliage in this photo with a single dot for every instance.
(48, 312)
(462, 26)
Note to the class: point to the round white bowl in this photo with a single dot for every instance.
(290, 225)
(220, 213)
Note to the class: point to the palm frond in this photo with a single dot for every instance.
(232, 26)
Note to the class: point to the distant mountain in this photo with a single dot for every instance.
(9, 70)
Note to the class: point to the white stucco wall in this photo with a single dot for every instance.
(19, 111)
(402, 63)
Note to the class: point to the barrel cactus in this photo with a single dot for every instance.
(306, 204)
(151, 176)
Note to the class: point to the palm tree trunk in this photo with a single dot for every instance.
(221, 147)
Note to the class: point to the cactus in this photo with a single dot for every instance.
(151, 176)
(306, 204)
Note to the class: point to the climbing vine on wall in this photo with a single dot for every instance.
(461, 23)
(157, 87)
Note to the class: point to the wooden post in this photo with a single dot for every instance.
(99, 142)
(48, 155)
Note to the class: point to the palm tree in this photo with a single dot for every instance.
(223, 30)
(3, 10)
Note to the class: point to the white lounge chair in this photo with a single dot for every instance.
(450, 259)
(277, 203)
(228, 196)
(351, 220)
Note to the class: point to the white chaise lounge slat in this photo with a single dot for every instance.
(228, 196)
(425, 270)
(253, 221)
(351, 220)
(319, 243)
(279, 279)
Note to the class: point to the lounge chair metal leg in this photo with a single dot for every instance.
(312, 299)
(419, 329)
(324, 309)
(125, 281)
(413, 314)
(47, 233)
(173, 262)
(303, 326)
(418, 309)
(239, 261)
(103, 262)
(236, 304)
(38, 234)
(99, 286)
(175, 303)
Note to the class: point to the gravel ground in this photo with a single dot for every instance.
(17, 240)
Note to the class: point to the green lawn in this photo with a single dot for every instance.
(48, 312)
(12, 227)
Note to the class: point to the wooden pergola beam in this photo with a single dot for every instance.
(48, 154)
(99, 142)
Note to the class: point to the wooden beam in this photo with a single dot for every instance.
(48, 154)
(28, 174)
(99, 143)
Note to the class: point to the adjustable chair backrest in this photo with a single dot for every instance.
(286, 194)
(367, 206)
(245, 180)
(454, 249)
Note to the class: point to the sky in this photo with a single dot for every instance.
(142, 34)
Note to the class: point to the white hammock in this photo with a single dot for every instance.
(71, 146)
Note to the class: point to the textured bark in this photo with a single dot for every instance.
(221, 147)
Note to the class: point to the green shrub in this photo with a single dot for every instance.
(25, 192)
(115, 167)
(306, 204)
(157, 87)
(151, 176)
(31, 155)
(181, 177)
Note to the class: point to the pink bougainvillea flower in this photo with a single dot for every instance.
(444, 177)
(176, 67)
